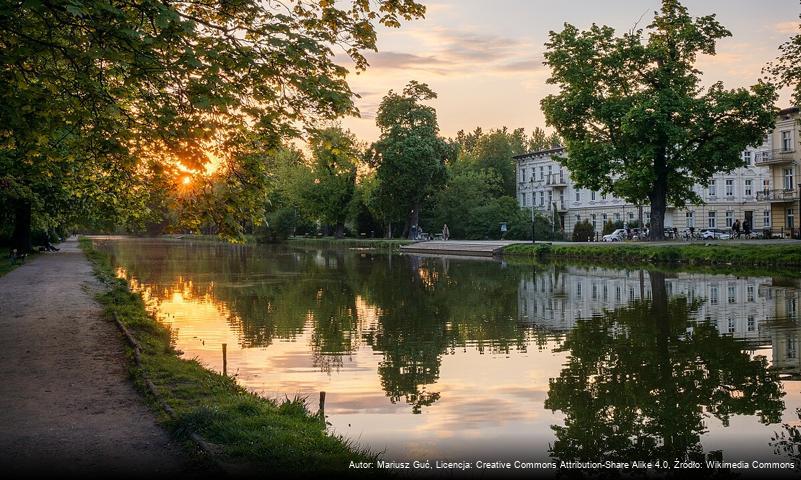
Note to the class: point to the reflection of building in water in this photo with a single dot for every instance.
(749, 308)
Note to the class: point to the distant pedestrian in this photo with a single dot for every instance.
(414, 232)
(445, 232)
(746, 227)
(735, 228)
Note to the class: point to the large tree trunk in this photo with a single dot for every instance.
(339, 232)
(658, 198)
(21, 238)
(412, 220)
(389, 230)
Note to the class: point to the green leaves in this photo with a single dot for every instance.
(633, 116)
(409, 156)
(112, 84)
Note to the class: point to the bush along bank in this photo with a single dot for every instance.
(697, 254)
(249, 434)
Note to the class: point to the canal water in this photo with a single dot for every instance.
(434, 358)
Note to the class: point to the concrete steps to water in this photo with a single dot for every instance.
(458, 247)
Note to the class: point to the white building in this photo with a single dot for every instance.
(753, 309)
(546, 185)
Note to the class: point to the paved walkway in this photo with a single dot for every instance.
(67, 404)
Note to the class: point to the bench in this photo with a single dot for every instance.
(15, 256)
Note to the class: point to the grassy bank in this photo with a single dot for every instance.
(256, 434)
(326, 242)
(746, 255)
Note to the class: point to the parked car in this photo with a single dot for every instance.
(715, 234)
(617, 236)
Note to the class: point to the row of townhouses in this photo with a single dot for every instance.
(765, 190)
(763, 313)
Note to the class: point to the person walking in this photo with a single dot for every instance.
(746, 227)
(735, 228)
(445, 232)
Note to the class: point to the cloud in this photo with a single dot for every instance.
(788, 27)
(451, 52)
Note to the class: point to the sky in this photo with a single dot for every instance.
(484, 57)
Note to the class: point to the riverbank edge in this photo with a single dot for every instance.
(377, 243)
(249, 434)
(744, 255)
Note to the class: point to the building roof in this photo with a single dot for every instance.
(539, 152)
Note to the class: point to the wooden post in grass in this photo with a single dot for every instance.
(225, 359)
(321, 411)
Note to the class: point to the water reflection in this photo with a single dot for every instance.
(563, 362)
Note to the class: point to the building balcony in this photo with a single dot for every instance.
(775, 157)
(778, 195)
(556, 180)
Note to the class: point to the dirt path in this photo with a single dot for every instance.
(67, 405)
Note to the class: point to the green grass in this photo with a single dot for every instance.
(259, 433)
(6, 264)
(749, 255)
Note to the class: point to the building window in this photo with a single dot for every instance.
(542, 172)
(711, 220)
(550, 171)
(617, 217)
(751, 323)
(790, 218)
(788, 179)
(748, 187)
(522, 174)
(765, 186)
(631, 216)
(594, 225)
(604, 216)
(792, 347)
(732, 325)
(729, 218)
(542, 198)
(592, 195)
(713, 295)
(690, 219)
(562, 200)
(750, 293)
(578, 195)
(523, 199)
(766, 218)
(732, 294)
(550, 198)
(747, 158)
(787, 141)
(729, 188)
(713, 188)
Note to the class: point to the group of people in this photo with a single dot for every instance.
(737, 229)
(417, 232)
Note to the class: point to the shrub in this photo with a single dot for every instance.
(583, 232)
(278, 226)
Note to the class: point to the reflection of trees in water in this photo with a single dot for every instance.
(428, 307)
(637, 381)
(640, 380)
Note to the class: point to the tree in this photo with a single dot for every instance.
(335, 156)
(409, 155)
(787, 68)
(641, 379)
(92, 87)
(634, 118)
